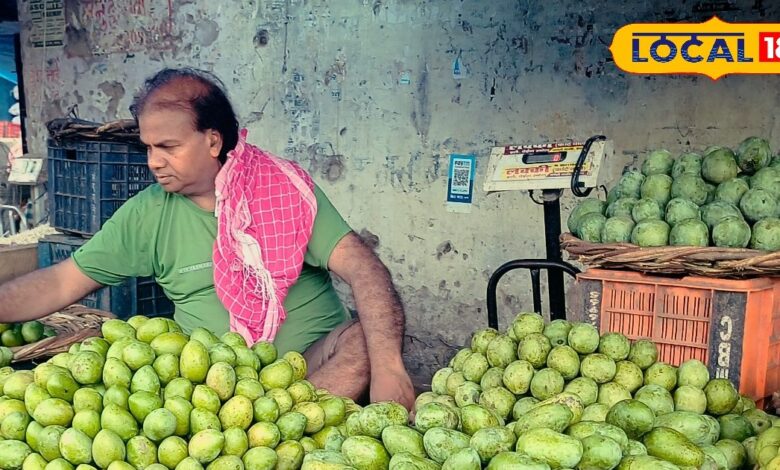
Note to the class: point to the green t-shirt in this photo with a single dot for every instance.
(168, 236)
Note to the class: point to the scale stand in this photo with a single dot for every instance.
(551, 168)
(551, 200)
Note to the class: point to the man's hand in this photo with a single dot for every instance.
(392, 384)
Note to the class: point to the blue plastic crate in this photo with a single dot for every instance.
(136, 296)
(89, 180)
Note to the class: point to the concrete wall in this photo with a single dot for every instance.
(362, 93)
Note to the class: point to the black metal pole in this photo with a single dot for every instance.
(552, 234)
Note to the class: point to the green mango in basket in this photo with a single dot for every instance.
(32, 331)
(6, 356)
(12, 338)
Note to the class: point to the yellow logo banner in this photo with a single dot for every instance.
(714, 48)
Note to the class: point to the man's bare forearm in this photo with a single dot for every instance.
(380, 311)
(42, 292)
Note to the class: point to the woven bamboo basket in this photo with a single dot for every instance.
(71, 127)
(72, 324)
(677, 260)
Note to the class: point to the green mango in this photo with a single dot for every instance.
(553, 416)
(489, 442)
(673, 446)
(365, 452)
(555, 449)
(400, 438)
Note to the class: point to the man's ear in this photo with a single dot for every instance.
(215, 143)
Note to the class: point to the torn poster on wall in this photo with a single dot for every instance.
(48, 23)
(128, 26)
(460, 183)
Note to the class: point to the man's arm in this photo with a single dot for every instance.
(44, 291)
(381, 316)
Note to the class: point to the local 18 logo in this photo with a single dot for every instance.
(714, 48)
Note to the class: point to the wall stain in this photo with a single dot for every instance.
(337, 71)
(370, 239)
(52, 108)
(206, 32)
(77, 43)
(334, 168)
(322, 159)
(421, 114)
(115, 92)
(444, 248)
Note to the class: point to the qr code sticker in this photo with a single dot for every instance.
(461, 177)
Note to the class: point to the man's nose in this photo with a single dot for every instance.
(154, 159)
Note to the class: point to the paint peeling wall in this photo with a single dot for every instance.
(362, 93)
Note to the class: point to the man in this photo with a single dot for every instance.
(276, 238)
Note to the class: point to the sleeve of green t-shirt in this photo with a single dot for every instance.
(329, 229)
(121, 248)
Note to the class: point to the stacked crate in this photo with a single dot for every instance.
(88, 181)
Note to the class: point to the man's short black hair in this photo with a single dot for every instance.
(206, 100)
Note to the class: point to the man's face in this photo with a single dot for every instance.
(182, 159)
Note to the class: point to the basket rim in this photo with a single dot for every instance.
(73, 323)
(704, 261)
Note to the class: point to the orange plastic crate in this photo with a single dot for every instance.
(733, 326)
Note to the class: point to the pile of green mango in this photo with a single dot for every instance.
(559, 395)
(145, 395)
(721, 197)
(539, 395)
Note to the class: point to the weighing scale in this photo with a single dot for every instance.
(549, 168)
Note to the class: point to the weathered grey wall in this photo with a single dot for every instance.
(322, 82)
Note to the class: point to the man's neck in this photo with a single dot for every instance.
(207, 202)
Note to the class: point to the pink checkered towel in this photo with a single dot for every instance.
(265, 211)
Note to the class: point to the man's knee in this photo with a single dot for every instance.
(355, 339)
(353, 342)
